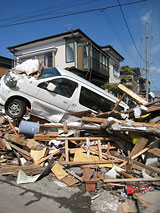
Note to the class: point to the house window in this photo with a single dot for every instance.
(115, 71)
(85, 57)
(48, 60)
(26, 58)
(69, 52)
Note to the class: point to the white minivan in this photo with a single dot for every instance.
(55, 95)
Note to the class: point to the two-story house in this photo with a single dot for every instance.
(75, 51)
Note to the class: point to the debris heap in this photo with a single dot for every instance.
(116, 151)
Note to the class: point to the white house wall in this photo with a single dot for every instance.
(59, 55)
(112, 78)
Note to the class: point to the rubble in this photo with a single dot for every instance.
(103, 152)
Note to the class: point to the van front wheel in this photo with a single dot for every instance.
(15, 108)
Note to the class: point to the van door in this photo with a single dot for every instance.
(58, 101)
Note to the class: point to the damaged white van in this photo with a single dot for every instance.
(55, 95)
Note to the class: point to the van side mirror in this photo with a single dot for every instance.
(51, 87)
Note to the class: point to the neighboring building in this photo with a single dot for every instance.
(5, 65)
(134, 74)
(75, 51)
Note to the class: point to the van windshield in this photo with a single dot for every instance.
(95, 101)
(49, 72)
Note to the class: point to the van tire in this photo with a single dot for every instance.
(15, 108)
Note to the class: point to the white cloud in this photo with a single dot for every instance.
(156, 49)
(154, 69)
(146, 17)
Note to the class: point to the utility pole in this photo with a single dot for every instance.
(147, 82)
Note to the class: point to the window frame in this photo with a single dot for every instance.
(66, 54)
(43, 85)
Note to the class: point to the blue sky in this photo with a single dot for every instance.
(124, 29)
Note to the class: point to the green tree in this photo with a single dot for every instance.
(126, 78)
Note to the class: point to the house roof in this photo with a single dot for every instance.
(76, 32)
(65, 34)
(110, 48)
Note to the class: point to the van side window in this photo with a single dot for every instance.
(95, 101)
(64, 87)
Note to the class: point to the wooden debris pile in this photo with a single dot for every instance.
(112, 150)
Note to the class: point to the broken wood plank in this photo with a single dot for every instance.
(45, 137)
(125, 174)
(8, 169)
(141, 165)
(76, 176)
(142, 151)
(58, 170)
(89, 162)
(15, 139)
(81, 138)
(47, 157)
(99, 150)
(117, 180)
(108, 147)
(102, 120)
(12, 126)
(155, 151)
(133, 95)
(38, 154)
(20, 150)
(70, 181)
(119, 101)
(65, 128)
(66, 150)
(141, 143)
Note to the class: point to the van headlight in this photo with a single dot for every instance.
(10, 81)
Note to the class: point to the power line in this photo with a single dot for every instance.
(116, 33)
(120, 5)
(48, 10)
(70, 14)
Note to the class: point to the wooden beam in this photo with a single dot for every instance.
(125, 174)
(141, 143)
(119, 101)
(99, 150)
(65, 128)
(142, 151)
(12, 126)
(20, 150)
(66, 150)
(155, 151)
(117, 180)
(15, 139)
(47, 157)
(10, 169)
(102, 120)
(89, 162)
(81, 138)
(108, 146)
(133, 95)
